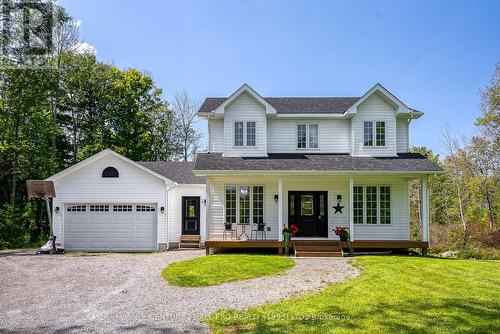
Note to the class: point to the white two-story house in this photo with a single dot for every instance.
(316, 163)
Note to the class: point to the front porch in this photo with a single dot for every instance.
(321, 244)
(374, 207)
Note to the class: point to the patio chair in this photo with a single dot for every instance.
(229, 228)
(259, 227)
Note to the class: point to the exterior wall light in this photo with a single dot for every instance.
(276, 198)
(162, 209)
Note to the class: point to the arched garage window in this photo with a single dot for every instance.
(110, 172)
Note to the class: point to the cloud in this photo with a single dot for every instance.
(85, 47)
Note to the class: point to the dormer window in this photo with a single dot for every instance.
(110, 172)
(245, 134)
(373, 139)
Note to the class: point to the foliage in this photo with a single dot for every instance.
(392, 295)
(465, 201)
(53, 118)
(218, 269)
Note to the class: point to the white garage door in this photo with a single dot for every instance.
(110, 227)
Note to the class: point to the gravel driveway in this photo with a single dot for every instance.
(126, 293)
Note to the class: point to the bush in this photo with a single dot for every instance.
(15, 225)
(489, 253)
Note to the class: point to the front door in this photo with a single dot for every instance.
(308, 211)
(191, 215)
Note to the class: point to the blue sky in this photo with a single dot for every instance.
(435, 56)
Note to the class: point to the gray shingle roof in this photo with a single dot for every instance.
(177, 171)
(293, 105)
(407, 162)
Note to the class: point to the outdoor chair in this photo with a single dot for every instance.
(229, 228)
(259, 227)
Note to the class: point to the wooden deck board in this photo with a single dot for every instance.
(358, 244)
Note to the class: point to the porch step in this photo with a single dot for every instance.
(190, 241)
(318, 254)
(326, 248)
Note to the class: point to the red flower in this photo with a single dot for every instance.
(294, 229)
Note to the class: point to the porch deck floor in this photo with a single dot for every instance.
(276, 244)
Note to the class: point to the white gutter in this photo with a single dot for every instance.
(309, 172)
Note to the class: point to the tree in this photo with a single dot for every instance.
(185, 109)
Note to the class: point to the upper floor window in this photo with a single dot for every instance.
(245, 132)
(307, 136)
(371, 137)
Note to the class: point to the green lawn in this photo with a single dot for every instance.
(217, 269)
(392, 295)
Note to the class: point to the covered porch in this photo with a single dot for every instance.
(375, 208)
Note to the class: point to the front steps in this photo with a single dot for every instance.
(190, 241)
(327, 248)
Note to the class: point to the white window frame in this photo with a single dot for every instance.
(251, 201)
(308, 144)
(245, 134)
(374, 133)
(391, 203)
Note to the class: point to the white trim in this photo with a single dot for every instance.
(101, 155)
(399, 106)
(245, 88)
(309, 172)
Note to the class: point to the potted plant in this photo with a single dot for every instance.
(288, 232)
(343, 233)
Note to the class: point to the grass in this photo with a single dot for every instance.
(217, 269)
(392, 295)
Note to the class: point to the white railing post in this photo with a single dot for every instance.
(351, 208)
(425, 209)
(280, 208)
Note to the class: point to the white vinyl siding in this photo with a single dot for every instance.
(374, 109)
(216, 135)
(398, 229)
(333, 135)
(87, 186)
(175, 209)
(402, 136)
(245, 109)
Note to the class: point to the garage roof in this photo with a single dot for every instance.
(178, 171)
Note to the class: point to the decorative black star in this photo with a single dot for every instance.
(338, 208)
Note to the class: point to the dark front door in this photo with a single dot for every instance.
(309, 212)
(191, 215)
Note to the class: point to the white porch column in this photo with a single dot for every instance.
(425, 208)
(351, 208)
(280, 208)
(208, 211)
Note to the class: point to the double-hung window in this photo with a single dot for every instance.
(372, 205)
(373, 133)
(307, 136)
(244, 204)
(245, 134)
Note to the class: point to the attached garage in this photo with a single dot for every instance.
(110, 227)
(110, 203)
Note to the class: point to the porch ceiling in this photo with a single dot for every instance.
(339, 163)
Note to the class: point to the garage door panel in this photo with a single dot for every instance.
(111, 227)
